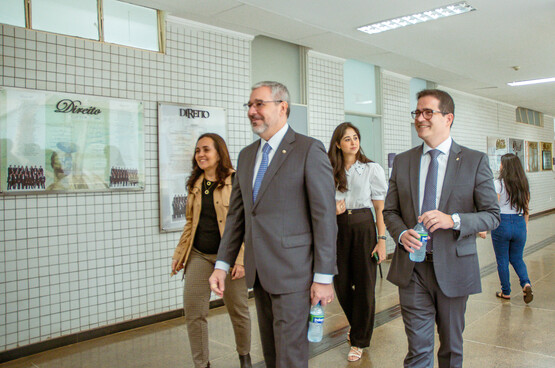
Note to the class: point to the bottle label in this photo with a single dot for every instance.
(423, 238)
(316, 319)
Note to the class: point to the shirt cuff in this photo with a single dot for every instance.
(323, 278)
(221, 265)
(400, 236)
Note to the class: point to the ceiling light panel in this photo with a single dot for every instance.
(425, 16)
(532, 81)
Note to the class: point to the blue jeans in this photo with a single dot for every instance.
(508, 243)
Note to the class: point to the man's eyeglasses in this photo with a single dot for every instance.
(426, 113)
(259, 104)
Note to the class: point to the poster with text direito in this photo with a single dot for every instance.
(179, 127)
(61, 142)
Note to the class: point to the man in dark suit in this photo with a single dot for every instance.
(282, 207)
(448, 188)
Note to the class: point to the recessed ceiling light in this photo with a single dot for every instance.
(531, 81)
(425, 16)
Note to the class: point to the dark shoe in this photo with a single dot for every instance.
(528, 296)
(500, 294)
(245, 361)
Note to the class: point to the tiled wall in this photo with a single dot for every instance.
(325, 95)
(396, 121)
(72, 262)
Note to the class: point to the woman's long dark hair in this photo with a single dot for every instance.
(224, 166)
(515, 182)
(336, 156)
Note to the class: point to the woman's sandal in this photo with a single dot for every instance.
(354, 354)
(528, 296)
(500, 294)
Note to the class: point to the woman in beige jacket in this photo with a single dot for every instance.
(209, 189)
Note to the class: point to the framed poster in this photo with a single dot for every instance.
(497, 147)
(532, 152)
(516, 146)
(547, 154)
(61, 142)
(179, 127)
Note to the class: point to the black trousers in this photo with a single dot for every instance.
(356, 279)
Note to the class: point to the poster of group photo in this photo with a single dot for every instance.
(179, 127)
(61, 142)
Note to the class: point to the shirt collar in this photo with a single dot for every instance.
(444, 146)
(276, 138)
(357, 166)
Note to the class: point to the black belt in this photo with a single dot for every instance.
(357, 210)
(429, 257)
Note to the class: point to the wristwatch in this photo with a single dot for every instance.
(456, 221)
(382, 237)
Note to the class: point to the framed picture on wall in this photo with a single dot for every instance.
(547, 154)
(179, 127)
(516, 146)
(497, 147)
(52, 142)
(532, 152)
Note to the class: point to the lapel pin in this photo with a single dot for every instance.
(284, 151)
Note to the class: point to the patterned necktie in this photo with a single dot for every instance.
(261, 170)
(430, 190)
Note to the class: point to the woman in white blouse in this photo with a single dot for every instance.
(360, 185)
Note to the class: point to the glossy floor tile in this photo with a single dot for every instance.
(499, 333)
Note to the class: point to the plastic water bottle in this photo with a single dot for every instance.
(316, 323)
(419, 255)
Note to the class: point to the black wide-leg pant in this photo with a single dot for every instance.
(356, 279)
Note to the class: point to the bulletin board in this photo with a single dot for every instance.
(62, 142)
(179, 127)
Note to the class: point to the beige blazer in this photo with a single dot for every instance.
(192, 215)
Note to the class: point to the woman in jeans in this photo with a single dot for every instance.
(360, 185)
(510, 237)
(209, 188)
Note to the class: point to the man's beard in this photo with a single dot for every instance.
(260, 128)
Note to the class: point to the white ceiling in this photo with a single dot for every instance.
(473, 52)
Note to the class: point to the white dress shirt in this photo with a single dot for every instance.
(274, 142)
(444, 148)
(365, 183)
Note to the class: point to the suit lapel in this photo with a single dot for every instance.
(282, 152)
(414, 178)
(251, 160)
(451, 172)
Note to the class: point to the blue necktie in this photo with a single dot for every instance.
(261, 170)
(430, 190)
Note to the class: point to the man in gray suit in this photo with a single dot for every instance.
(448, 188)
(282, 207)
